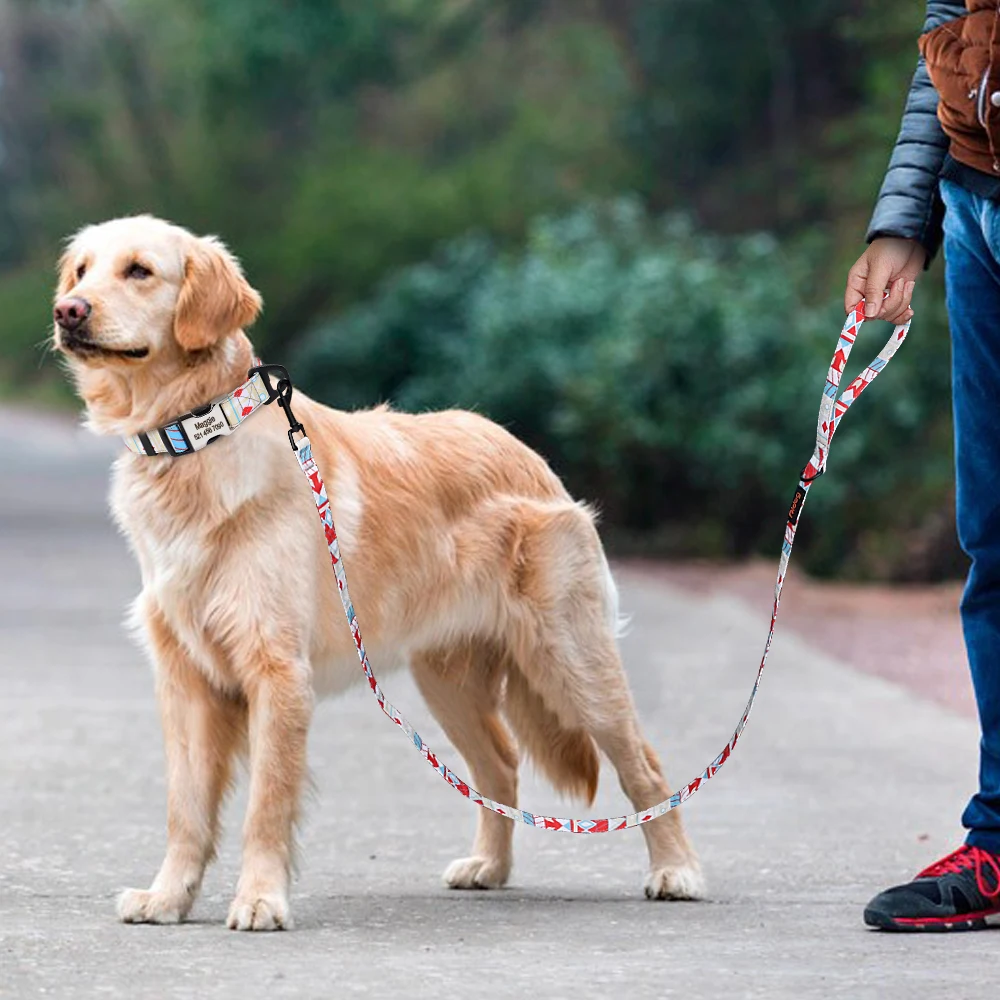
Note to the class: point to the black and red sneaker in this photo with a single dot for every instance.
(961, 892)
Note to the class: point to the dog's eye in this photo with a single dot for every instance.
(80, 272)
(138, 272)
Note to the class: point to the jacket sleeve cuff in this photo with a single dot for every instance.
(928, 232)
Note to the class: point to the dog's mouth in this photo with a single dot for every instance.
(80, 344)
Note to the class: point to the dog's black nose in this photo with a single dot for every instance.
(69, 313)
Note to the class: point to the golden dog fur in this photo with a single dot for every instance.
(468, 561)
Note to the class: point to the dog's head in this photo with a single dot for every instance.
(141, 300)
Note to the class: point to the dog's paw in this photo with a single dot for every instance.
(259, 912)
(676, 882)
(476, 873)
(143, 906)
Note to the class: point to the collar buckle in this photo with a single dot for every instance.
(201, 427)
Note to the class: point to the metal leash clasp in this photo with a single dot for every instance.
(282, 392)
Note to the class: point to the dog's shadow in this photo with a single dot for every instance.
(468, 915)
(473, 914)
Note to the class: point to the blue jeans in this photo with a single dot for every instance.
(972, 279)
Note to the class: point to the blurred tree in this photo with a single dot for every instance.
(728, 96)
(326, 141)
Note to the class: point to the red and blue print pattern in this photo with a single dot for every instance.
(832, 410)
(178, 437)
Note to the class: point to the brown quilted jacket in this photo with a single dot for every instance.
(963, 60)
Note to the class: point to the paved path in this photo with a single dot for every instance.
(841, 782)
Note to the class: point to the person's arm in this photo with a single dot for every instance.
(908, 204)
(905, 228)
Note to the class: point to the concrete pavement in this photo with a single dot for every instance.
(841, 784)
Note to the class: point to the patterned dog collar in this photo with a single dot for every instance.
(193, 431)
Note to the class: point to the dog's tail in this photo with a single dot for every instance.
(567, 757)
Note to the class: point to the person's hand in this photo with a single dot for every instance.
(888, 263)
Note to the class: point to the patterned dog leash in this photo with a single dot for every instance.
(832, 409)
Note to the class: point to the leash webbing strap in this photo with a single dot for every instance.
(831, 411)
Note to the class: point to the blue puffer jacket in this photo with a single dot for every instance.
(908, 203)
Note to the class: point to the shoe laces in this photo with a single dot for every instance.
(968, 856)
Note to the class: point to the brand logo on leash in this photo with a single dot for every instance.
(796, 508)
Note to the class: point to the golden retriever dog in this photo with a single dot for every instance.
(468, 561)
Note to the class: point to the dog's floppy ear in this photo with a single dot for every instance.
(215, 299)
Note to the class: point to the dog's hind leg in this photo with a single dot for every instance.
(565, 647)
(462, 687)
(674, 871)
(202, 731)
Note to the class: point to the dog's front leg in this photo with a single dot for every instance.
(202, 730)
(280, 702)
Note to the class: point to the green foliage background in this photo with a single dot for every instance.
(619, 226)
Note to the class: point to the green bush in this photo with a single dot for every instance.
(671, 377)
